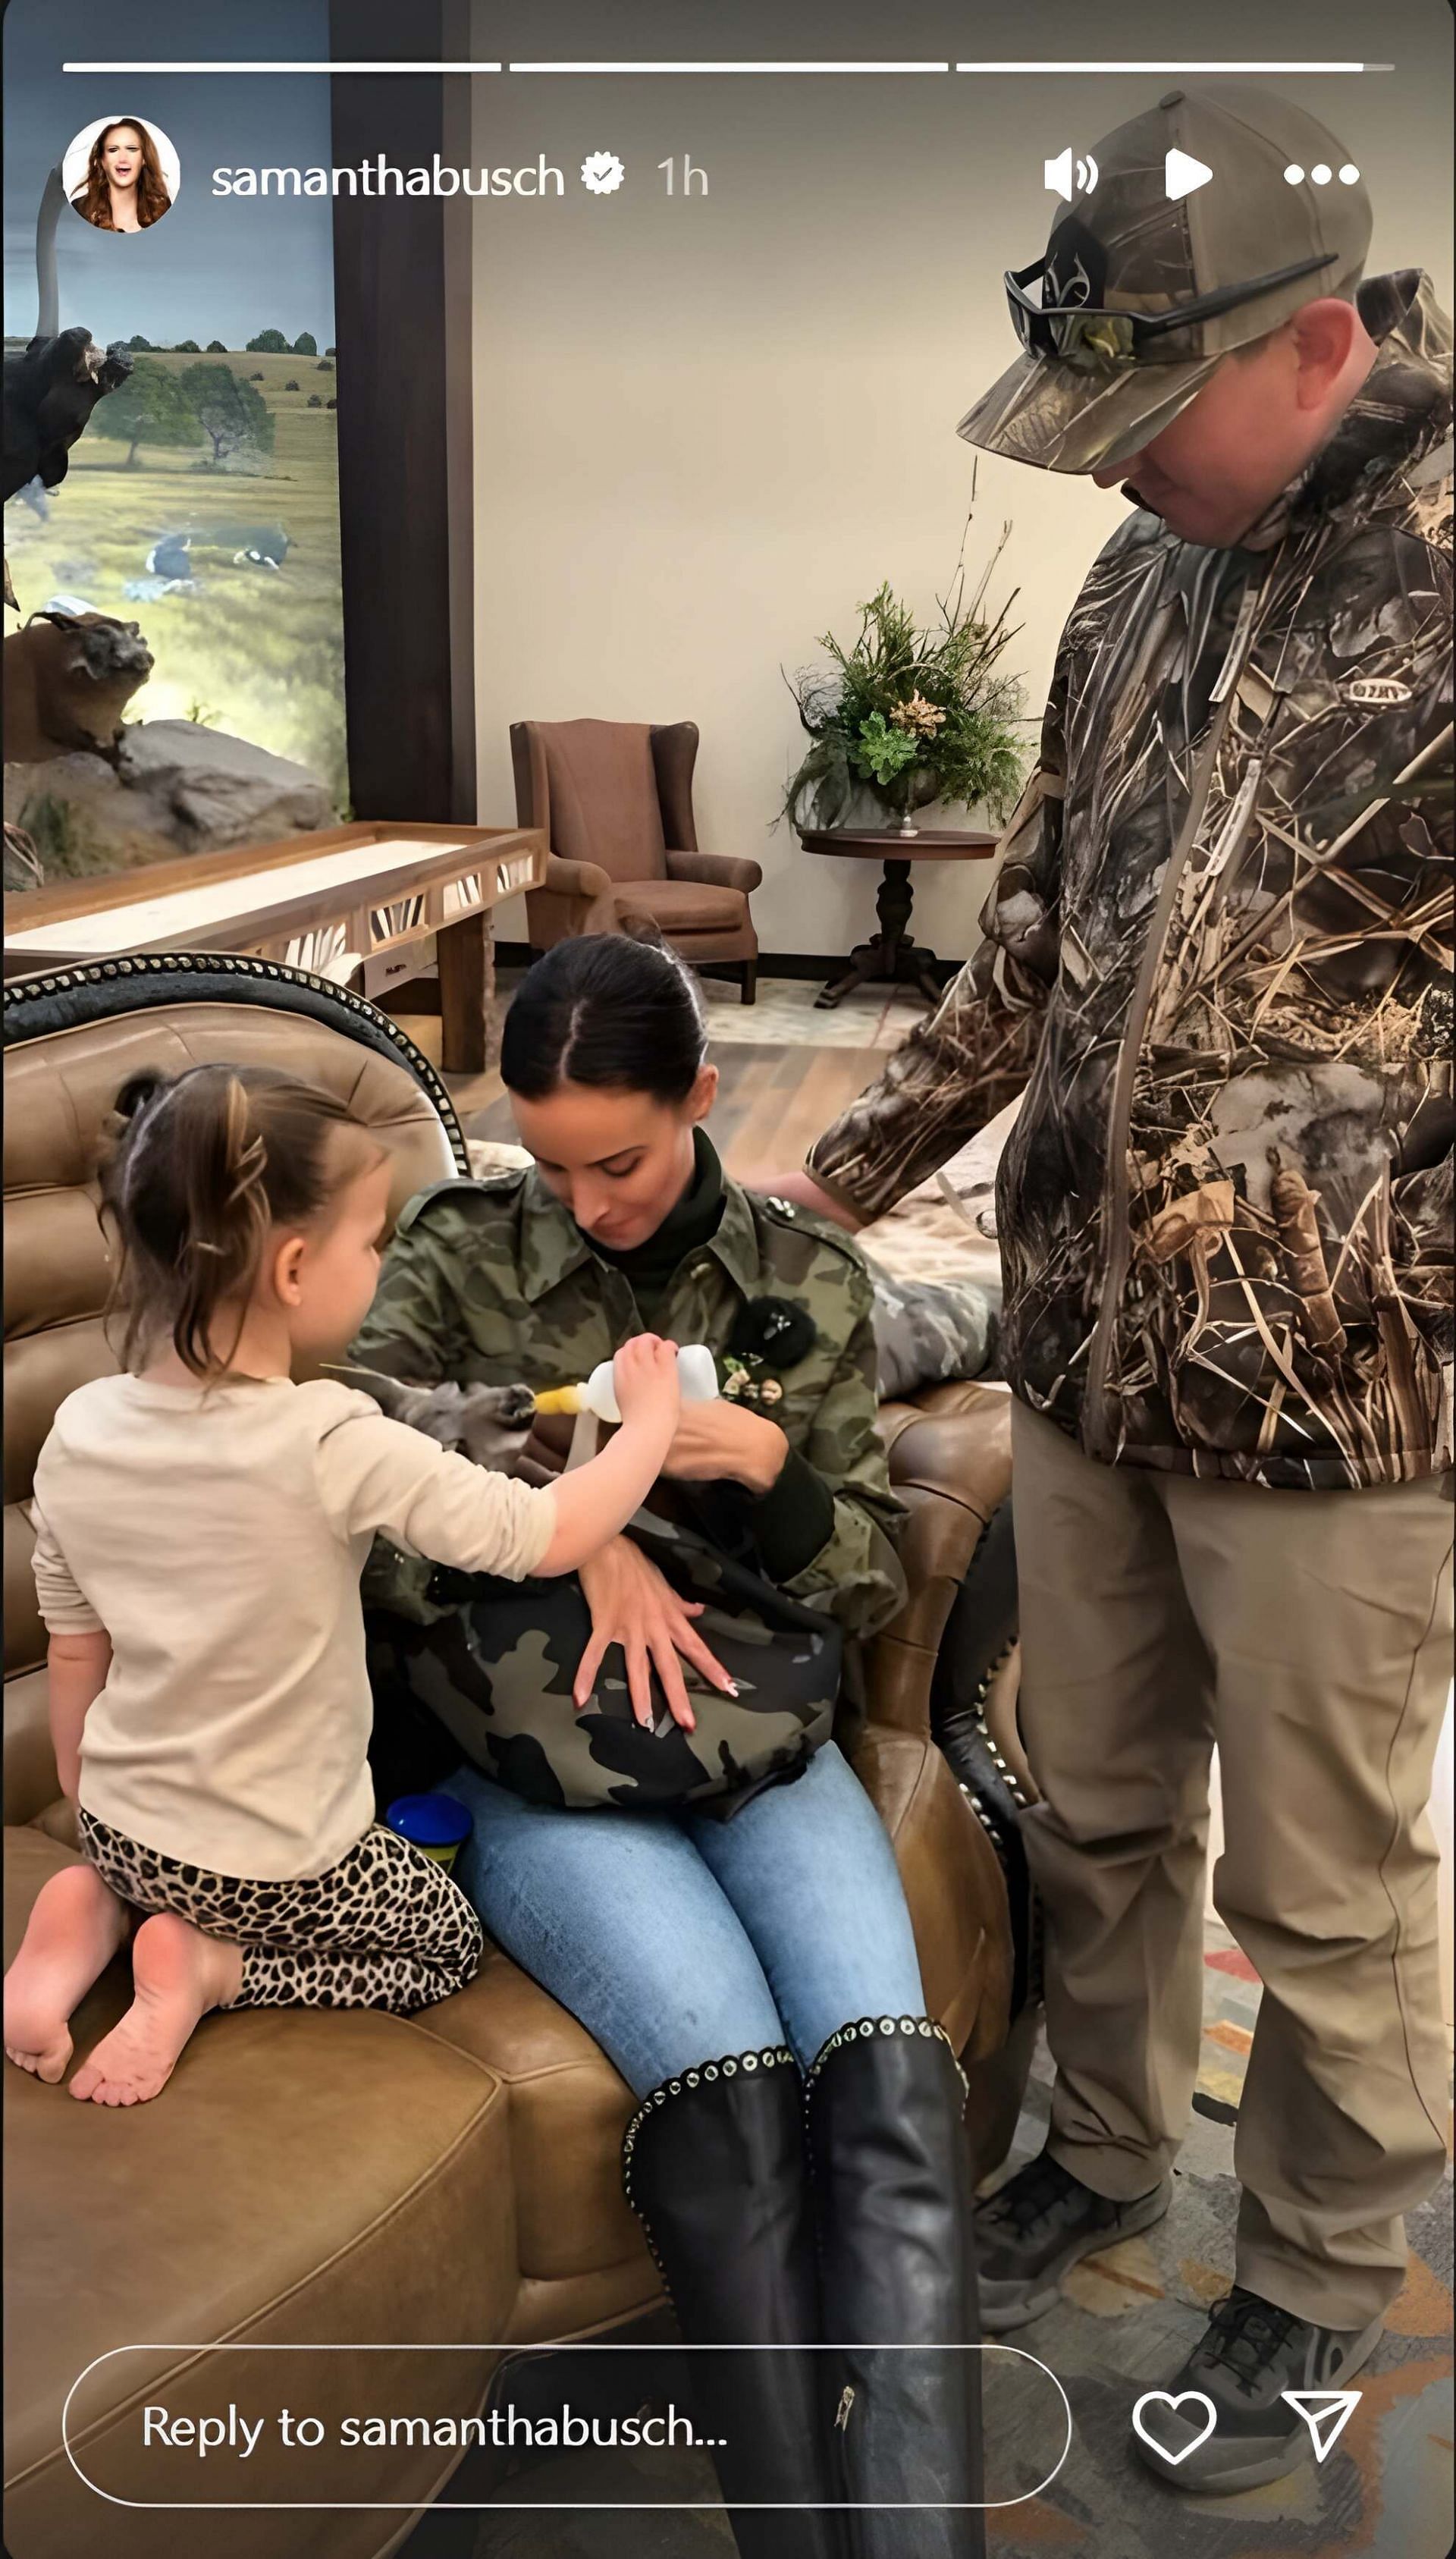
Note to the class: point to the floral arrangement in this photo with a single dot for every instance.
(912, 715)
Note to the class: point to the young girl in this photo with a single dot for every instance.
(201, 1526)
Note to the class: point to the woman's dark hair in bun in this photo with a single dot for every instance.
(605, 1009)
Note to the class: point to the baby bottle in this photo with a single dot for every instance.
(697, 1383)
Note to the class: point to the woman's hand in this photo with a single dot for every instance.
(632, 1606)
(724, 1440)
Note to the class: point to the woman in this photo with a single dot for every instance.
(124, 188)
(798, 2180)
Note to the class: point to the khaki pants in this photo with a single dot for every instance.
(1308, 1635)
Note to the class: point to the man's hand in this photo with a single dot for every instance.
(714, 1441)
(802, 1188)
(632, 1606)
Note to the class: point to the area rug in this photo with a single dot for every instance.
(784, 1014)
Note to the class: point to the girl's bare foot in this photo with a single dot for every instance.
(74, 1930)
(179, 1975)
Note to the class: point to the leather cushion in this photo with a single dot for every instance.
(30, 1758)
(568, 2112)
(305, 2175)
(59, 1089)
(950, 1464)
(956, 1441)
(952, 1883)
(56, 1270)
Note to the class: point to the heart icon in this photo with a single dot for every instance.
(1165, 2399)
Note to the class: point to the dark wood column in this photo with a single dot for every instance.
(401, 281)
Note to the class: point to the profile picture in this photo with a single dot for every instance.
(122, 174)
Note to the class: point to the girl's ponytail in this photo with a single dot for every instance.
(137, 1091)
(202, 1167)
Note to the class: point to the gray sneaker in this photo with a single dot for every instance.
(1035, 2226)
(1250, 2353)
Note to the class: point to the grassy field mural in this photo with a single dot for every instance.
(232, 481)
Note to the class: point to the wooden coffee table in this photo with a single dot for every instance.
(320, 902)
(892, 958)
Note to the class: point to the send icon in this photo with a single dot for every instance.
(1326, 2413)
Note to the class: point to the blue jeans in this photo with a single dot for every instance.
(677, 1939)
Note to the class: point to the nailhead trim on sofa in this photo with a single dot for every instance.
(363, 1020)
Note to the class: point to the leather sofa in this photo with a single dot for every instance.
(615, 798)
(441, 2182)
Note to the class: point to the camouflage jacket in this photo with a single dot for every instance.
(1222, 930)
(493, 1282)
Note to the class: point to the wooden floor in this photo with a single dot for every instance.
(771, 1102)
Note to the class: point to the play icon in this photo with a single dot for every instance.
(1326, 2413)
(1182, 173)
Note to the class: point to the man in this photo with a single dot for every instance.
(1225, 1219)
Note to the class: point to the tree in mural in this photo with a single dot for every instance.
(150, 407)
(216, 347)
(234, 417)
(268, 342)
(306, 344)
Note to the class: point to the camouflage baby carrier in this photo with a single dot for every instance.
(495, 1668)
(486, 1668)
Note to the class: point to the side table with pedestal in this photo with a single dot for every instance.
(892, 958)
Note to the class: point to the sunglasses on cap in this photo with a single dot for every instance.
(1084, 332)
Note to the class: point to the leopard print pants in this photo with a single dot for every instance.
(384, 1929)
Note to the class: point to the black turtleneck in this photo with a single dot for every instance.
(796, 1517)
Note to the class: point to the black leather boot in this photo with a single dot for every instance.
(892, 2182)
(714, 2168)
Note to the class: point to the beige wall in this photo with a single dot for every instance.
(706, 430)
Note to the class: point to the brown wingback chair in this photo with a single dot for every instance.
(615, 798)
(432, 2188)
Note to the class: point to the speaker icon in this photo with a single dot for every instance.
(1065, 178)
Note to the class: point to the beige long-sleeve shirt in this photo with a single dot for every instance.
(217, 1537)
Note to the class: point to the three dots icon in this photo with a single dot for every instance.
(1321, 174)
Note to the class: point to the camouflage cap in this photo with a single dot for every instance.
(1124, 247)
